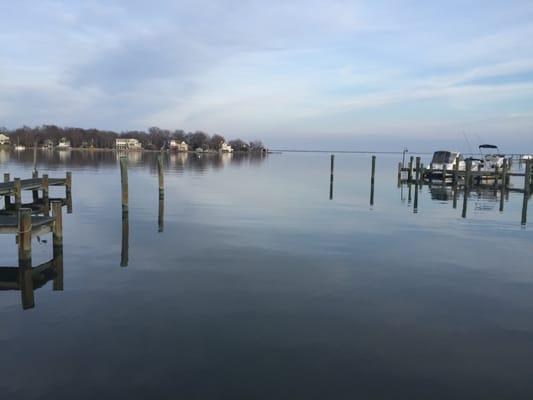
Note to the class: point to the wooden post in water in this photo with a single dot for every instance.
(68, 191)
(466, 187)
(24, 237)
(332, 169)
(527, 188)
(18, 193)
(503, 185)
(35, 193)
(372, 180)
(57, 231)
(417, 173)
(455, 172)
(124, 182)
(410, 169)
(46, 193)
(444, 173)
(7, 199)
(124, 254)
(161, 175)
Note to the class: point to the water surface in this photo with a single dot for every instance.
(248, 281)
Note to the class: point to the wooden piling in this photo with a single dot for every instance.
(455, 172)
(124, 182)
(24, 237)
(57, 230)
(468, 176)
(35, 193)
(332, 169)
(160, 172)
(410, 169)
(417, 173)
(7, 199)
(46, 194)
(68, 181)
(444, 173)
(503, 185)
(372, 180)
(527, 188)
(18, 193)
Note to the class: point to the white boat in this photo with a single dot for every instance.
(491, 160)
(526, 157)
(20, 147)
(446, 159)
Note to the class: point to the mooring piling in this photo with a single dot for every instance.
(35, 193)
(17, 193)
(503, 185)
(372, 180)
(332, 169)
(410, 169)
(527, 188)
(417, 173)
(24, 237)
(57, 230)
(124, 182)
(399, 174)
(160, 172)
(46, 194)
(7, 198)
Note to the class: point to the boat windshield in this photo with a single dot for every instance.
(443, 157)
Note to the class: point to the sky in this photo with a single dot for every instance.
(312, 74)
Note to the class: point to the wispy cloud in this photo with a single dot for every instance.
(299, 68)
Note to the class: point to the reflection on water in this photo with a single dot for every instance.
(259, 280)
(27, 279)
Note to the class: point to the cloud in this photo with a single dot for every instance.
(283, 68)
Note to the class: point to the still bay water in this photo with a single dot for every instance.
(248, 282)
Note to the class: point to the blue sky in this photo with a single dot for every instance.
(318, 74)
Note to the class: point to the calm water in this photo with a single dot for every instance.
(249, 282)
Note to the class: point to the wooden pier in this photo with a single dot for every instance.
(26, 220)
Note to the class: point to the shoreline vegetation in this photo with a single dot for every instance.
(153, 139)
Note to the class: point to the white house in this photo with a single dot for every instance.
(226, 148)
(64, 144)
(4, 140)
(128, 144)
(175, 145)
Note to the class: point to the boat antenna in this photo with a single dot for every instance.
(468, 142)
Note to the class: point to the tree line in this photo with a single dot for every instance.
(155, 138)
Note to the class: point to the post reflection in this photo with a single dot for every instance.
(28, 279)
(124, 255)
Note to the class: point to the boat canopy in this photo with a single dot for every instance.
(443, 157)
(487, 146)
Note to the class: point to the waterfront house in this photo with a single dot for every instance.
(128, 144)
(226, 148)
(63, 144)
(4, 140)
(179, 146)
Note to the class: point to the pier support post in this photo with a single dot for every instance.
(7, 199)
(46, 193)
(410, 169)
(503, 185)
(18, 193)
(372, 180)
(124, 182)
(161, 174)
(417, 173)
(35, 193)
(527, 188)
(57, 231)
(332, 171)
(24, 237)
(68, 191)
(466, 187)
